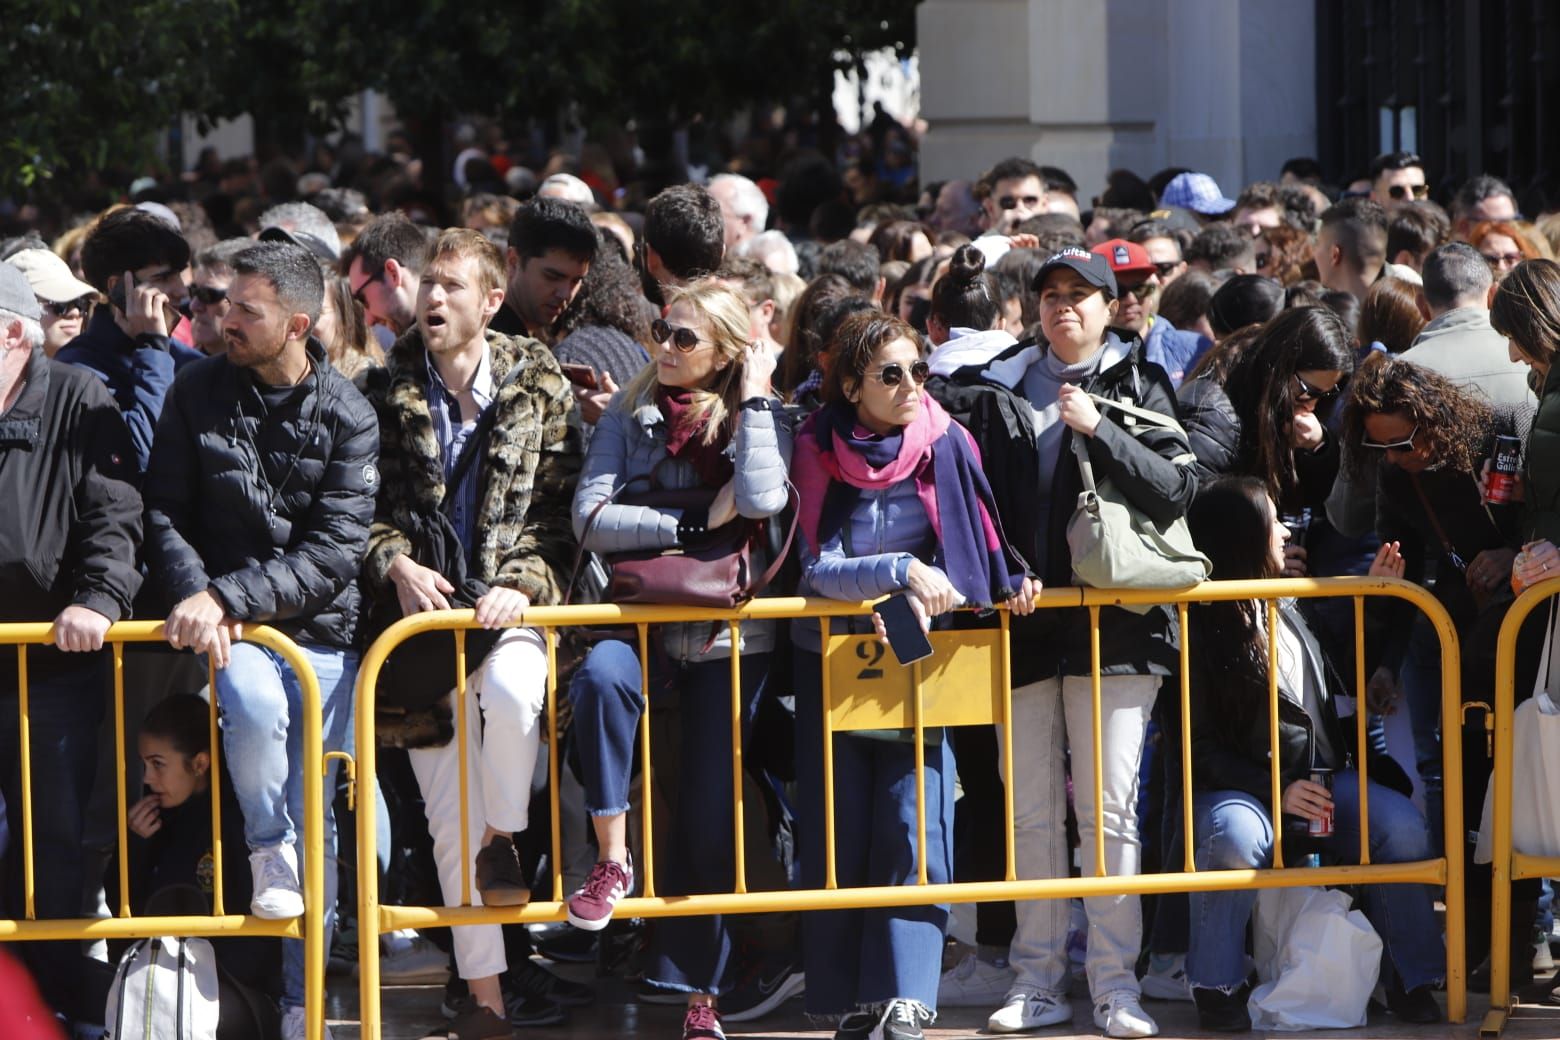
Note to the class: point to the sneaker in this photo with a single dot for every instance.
(343, 959)
(419, 963)
(1120, 1014)
(1417, 1005)
(702, 1022)
(530, 977)
(1166, 977)
(904, 1020)
(974, 983)
(761, 991)
(1024, 1011)
(277, 895)
(858, 1025)
(500, 880)
(295, 1025)
(529, 1010)
(566, 945)
(591, 907)
(475, 1022)
(1220, 1012)
(1543, 957)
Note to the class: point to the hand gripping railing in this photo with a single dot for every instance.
(968, 681)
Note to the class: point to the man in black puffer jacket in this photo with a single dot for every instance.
(259, 494)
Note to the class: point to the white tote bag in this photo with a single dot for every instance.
(1317, 959)
(1535, 769)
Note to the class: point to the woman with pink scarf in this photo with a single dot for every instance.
(892, 500)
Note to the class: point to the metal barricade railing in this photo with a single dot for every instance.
(222, 920)
(1507, 864)
(943, 690)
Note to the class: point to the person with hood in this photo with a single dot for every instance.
(963, 320)
(1025, 408)
(892, 500)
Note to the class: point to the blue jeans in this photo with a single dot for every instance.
(855, 957)
(1420, 677)
(691, 954)
(1234, 832)
(63, 710)
(259, 697)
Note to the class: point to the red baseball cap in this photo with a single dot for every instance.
(1125, 257)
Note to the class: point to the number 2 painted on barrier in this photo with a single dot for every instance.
(872, 653)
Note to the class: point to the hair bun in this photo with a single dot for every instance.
(966, 264)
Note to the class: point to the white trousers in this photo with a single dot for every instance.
(505, 698)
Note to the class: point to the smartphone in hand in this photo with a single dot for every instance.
(906, 638)
(582, 376)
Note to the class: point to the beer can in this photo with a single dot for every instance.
(1503, 469)
(1322, 828)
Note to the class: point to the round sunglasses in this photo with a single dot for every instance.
(893, 373)
(682, 337)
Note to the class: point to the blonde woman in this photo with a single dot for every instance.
(701, 414)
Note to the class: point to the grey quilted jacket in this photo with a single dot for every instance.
(630, 443)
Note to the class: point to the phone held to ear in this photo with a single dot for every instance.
(906, 638)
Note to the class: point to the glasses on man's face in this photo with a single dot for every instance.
(1312, 392)
(1142, 290)
(1499, 260)
(1166, 268)
(1014, 201)
(1406, 444)
(210, 297)
(59, 310)
(893, 373)
(1403, 191)
(357, 294)
(682, 337)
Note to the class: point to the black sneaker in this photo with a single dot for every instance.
(475, 1022)
(567, 946)
(455, 996)
(1222, 1012)
(530, 977)
(527, 1010)
(1417, 1005)
(858, 1025)
(904, 1020)
(761, 991)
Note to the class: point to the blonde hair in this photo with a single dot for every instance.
(464, 242)
(725, 315)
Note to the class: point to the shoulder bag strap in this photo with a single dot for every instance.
(1435, 522)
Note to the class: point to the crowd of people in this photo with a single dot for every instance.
(325, 420)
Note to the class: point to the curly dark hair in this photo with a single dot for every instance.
(608, 296)
(1453, 424)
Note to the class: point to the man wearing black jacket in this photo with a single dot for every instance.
(70, 519)
(259, 495)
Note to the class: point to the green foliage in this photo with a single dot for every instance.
(91, 82)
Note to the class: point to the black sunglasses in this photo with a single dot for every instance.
(1315, 393)
(1166, 268)
(893, 373)
(1406, 444)
(1013, 201)
(210, 297)
(357, 294)
(1401, 191)
(682, 337)
(59, 310)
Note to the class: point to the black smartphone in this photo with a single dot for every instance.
(116, 297)
(581, 375)
(906, 638)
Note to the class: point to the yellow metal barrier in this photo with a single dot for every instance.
(1508, 865)
(309, 928)
(944, 690)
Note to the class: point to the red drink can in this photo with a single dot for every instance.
(1503, 468)
(1322, 828)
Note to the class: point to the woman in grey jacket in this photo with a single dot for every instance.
(700, 415)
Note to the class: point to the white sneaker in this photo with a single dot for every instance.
(277, 895)
(295, 1025)
(974, 983)
(1166, 978)
(1543, 957)
(416, 963)
(1120, 1014)
(1024, 1011)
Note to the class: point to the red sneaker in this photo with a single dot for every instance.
(591, 907)
(702, 1022)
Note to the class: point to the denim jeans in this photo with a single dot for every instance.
(259, 697)
(855, 957)
(1044, 715)
(1235, 832)
(1421, 681)
(63, 712)
(691, 954)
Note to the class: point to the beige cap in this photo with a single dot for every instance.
(49, 276)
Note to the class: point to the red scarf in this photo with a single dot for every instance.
(685, 436)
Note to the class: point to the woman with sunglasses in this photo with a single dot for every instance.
(892, 501)
(700, 416)
(1503, 245)
(65, 299)
(1034, 401)
(1234, 521)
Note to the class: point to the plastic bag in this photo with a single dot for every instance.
(1317, 959)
